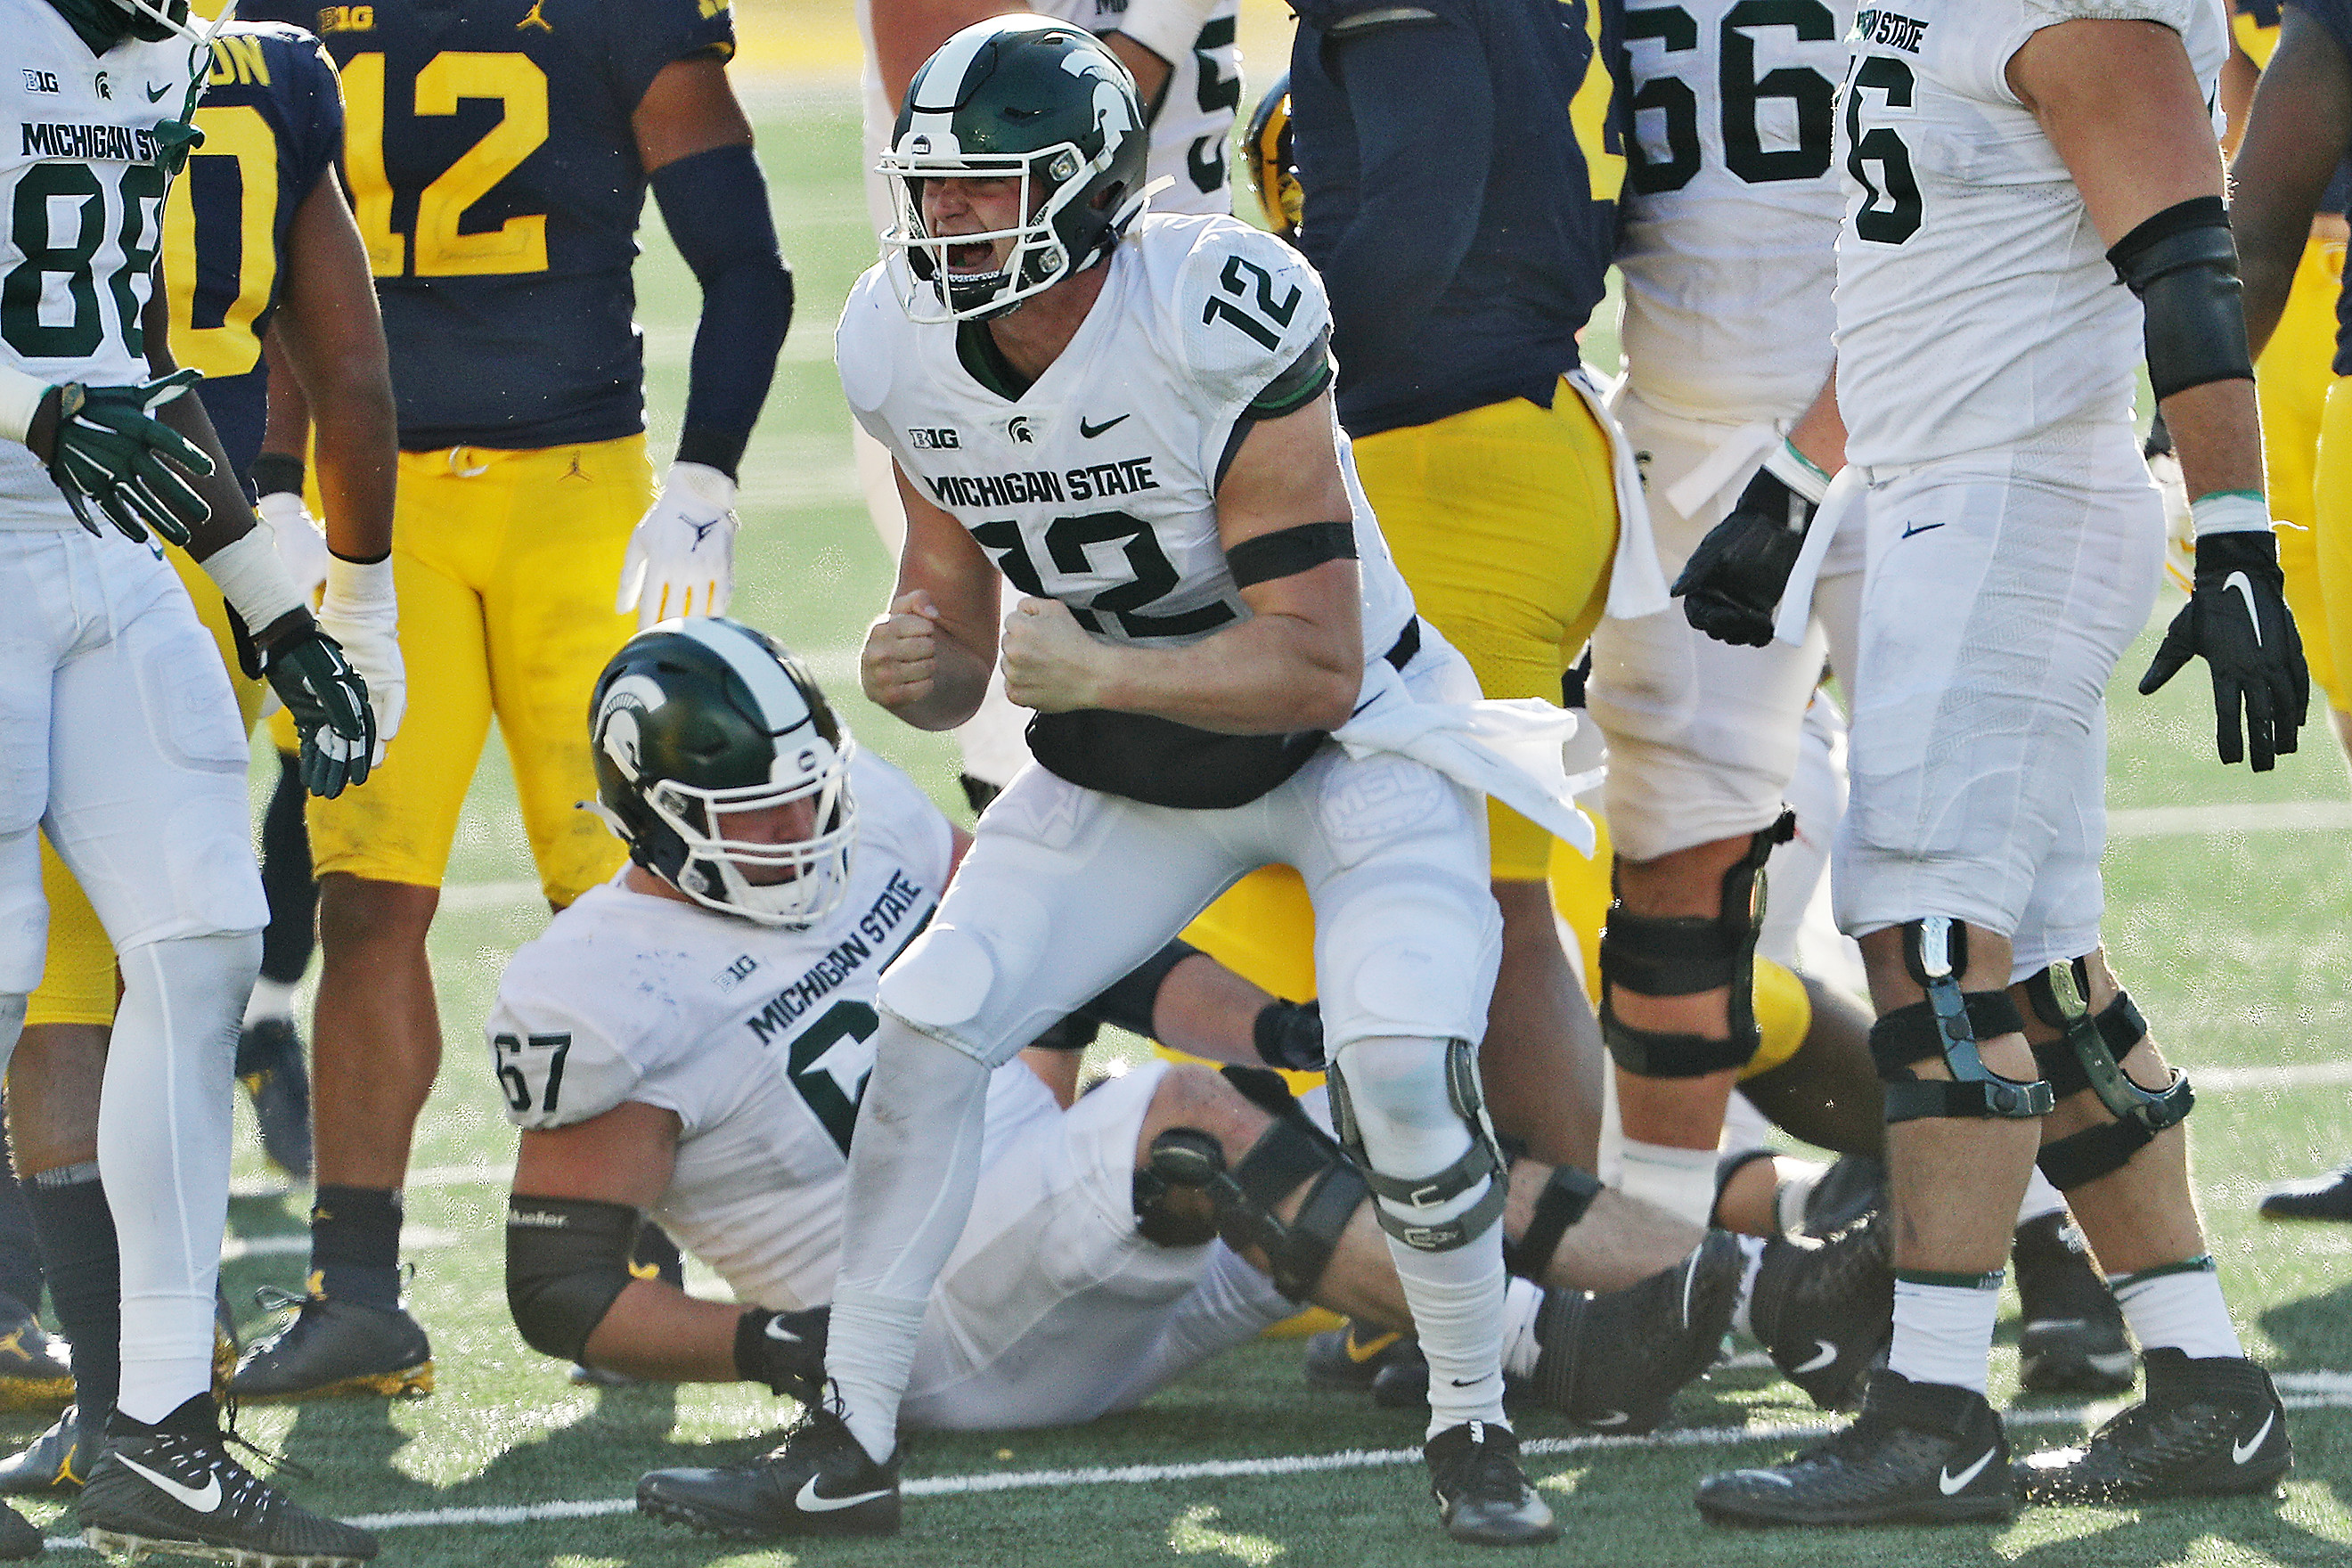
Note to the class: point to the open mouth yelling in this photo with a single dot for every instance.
(972, 257)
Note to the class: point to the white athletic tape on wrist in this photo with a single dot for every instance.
(2230, 511)
(358, 590)
(20, 399)
(1169, 28)
(253, 580)
(1797, 471)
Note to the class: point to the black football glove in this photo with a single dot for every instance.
(328, 701)
(2237, 621)
(1290, 1034)
(1733, 582)
(111, 452)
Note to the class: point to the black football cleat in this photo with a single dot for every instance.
(1351, 1359)
(269, 1064)
(1851, 1187)
(172, 1487)
(35, 1366)
(20, 1537)
(1824, 1307)
(50, 1464)
(818, 1481)
(2070, 1336)
(2313, 1198)
(1483, 1495)
(1919, 1453)
(1613, 1361)
(336, 1347)
(2210, 1428)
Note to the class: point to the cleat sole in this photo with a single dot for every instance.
(669, 1510)
(407, 1383)
(35, 1392)
(128, 1547)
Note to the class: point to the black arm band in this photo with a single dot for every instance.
(715, 204)
(275, 472)
(1288, 552)
(1128, 1002)
(567, 1262)
(2183, 265)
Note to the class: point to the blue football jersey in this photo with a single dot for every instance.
(272, 125)
(494, 170)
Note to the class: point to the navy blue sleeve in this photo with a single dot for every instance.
(716, 206)
(315, 103)
(2335, 15)
(644, 35)
(1422, 106)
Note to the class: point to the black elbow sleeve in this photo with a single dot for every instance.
(2183, 265)
(567, 1262)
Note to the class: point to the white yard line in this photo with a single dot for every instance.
(2182, 821)
(2298, 1390)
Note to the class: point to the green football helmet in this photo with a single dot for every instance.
(102, 23)
(1020, 96)
(696, 724)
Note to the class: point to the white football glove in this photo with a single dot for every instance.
(361, 613)
(681, 559)
(301, 545)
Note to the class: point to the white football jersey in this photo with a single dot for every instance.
(759, 1039)
(1191, 130)
(1975, 306)
(81, 217)
(1097, 486)
(1731, 202)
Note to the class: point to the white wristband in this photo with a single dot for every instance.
(1169, 28)
(20, 399)
(253, 580)
(1797, 471)
(2230, 511)
(358, 587)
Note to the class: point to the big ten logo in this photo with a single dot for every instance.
(40, 81)
(933, 438)
(347, 18)
(237, 60)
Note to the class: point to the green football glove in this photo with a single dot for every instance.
(329, 703)
(111, 452)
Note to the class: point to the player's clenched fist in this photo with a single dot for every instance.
(901, 653)
(1050, 662)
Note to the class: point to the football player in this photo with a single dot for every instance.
(1188, 74)
(1128, 417)
(149, 817)
(2006, 166)
(2286, 172)
(271, 125)
(692, 1040)
(499, 157)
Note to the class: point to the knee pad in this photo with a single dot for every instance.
(1565, 1198)
(1480, 1162)
(2088, 1053)
(1949, 1023)
(1680, 955)
(1184, 1194)
(567, 1263)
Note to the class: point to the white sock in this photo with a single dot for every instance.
(914, 1161)
(1679, 1181)
(1943, 1333)
(2041, 1198)
(1751, 1249)
(2179, 1306)
(1522, 1300)
(1457, 1311)
(270, 999)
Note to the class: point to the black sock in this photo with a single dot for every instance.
(286, 879)
(20, 1252)
(85, 1268)
(355, 1245)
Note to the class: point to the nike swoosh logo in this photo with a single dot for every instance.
(1614, 1419)
(810, 1500)
(1824, 1356)
(206, 1501)
(2240, 1452)
(1091, 431)
(1911, 528)
(1472, 1382)
(1949, 1483)
(2245, 588)
(1364, 1353)
(155, 94)
(1775, 1477)
(776, 1330)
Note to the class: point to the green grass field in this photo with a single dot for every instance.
(2237, 941)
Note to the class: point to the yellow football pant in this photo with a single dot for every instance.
(507, 562)
(2291, 382)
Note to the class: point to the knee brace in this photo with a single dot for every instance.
(1949, 1023)
(1558, 1206)
(567, 1263)
(1482, 1162)
(1680, 955)
(2088, 1053)
(1184, 1175)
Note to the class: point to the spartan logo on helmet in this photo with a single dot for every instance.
(1028, 99)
